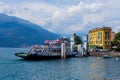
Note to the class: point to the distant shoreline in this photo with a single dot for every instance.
(101, 54)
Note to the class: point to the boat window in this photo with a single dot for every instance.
(39, 51)
(49, 50)
(54, 50)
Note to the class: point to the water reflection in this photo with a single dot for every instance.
(87, 68)
(97, 69)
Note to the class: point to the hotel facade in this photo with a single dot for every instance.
(100, 37)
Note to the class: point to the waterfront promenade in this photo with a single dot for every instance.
(110, 53)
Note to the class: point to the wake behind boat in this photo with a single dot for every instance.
(55, 49)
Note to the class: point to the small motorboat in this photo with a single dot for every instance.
(106, 56)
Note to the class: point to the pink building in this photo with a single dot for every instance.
(112, 36)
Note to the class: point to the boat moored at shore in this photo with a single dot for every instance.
(56, 49)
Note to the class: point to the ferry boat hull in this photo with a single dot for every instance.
(28, 56)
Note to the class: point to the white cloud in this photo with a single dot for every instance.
(73, 18)
(1, 3)
(37, 13)
(3, 7)
(83, 7)
(74, 28)
(78, 17)
(116, 29)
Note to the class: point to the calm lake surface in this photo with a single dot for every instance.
(87, 68)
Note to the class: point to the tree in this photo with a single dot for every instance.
(77, 39)
(116, 41)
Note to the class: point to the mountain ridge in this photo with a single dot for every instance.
(16, 32)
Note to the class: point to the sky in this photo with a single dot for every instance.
(66, 16)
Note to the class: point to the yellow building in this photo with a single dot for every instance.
(100, 37)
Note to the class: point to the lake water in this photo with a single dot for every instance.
(87, 68)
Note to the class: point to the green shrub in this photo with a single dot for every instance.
(117, 49)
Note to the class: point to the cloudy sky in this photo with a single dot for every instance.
(66, 16)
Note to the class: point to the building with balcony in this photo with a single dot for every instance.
(100, 37)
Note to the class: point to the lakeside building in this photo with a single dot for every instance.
(100, 37)
(112, 35)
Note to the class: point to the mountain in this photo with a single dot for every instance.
(16, 32)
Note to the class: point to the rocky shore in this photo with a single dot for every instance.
(110, 53)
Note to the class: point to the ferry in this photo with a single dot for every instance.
(55, 49)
